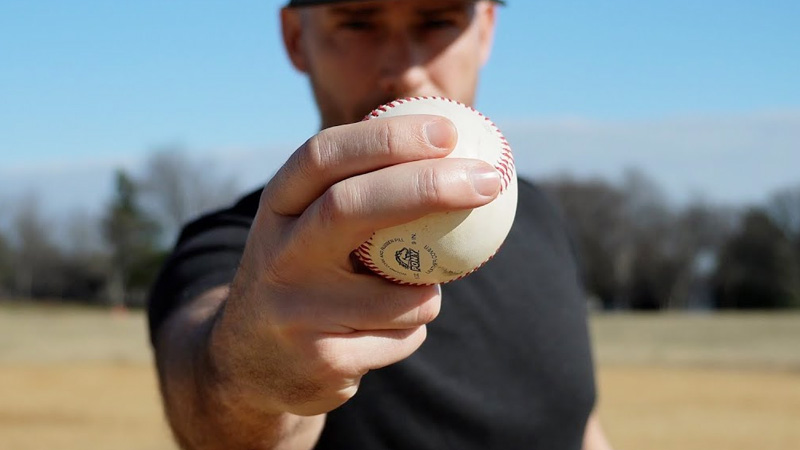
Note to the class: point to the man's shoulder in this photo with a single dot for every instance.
(206, 255)
(239, 214)
(535, 203)
(540, 227)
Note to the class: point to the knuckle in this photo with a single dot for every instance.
(331, 207)
(337, 204)
(415, 338)
(276, 265)
(343, 395)
(429, 186)
(387, 136)
(315, 155)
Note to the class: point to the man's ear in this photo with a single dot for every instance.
(487, 17)
(292, 30)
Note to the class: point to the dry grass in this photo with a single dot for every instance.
(686, 408)
(758, 341)
(81, 378)
(77, 378)
(81, 405)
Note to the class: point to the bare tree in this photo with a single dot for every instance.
(35, 253)
(594, 210)
(80, 234)
(6, 252)
(6, 274)
(697, 235)
(758, 268)
(178, 188)
(86, 258)
(637, 250)
(784, 209)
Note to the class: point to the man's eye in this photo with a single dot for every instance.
(357, 25)
(437, 24)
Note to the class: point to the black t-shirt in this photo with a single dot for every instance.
(506, 365)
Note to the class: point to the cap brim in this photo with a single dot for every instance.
(301, 3)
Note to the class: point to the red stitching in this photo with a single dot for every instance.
(367, 261)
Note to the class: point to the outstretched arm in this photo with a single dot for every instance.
(203, 412)
(259, 364)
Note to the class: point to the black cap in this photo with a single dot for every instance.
(299, 3)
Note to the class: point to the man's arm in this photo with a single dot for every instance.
(594, 438)
(257, 366)
(202, 411)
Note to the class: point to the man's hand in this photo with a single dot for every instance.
(594, 438)
(300, 326)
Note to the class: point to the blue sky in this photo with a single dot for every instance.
(87, 85)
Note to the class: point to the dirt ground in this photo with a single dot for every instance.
(82, 379)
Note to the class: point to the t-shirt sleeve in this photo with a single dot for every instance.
(205, 256)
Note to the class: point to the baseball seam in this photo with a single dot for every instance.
(504, 165)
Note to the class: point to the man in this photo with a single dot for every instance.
(263, 326)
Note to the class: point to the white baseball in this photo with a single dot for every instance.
(443, 247)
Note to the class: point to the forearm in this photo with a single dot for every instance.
(206, 411)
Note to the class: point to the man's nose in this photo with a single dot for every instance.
(403, 69)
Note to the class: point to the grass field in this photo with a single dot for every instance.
(73, 378)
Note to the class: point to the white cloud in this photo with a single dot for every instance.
(87, 185)
(732, 158)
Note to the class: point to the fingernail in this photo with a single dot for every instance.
(439, 290)
(486, 180)
(440, 133)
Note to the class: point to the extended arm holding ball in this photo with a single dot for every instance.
(258, 364)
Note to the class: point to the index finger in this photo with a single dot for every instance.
(341, 152)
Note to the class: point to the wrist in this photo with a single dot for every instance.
(223, 371)
(239, 400)
(209, 397)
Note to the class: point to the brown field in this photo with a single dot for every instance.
(74, 378)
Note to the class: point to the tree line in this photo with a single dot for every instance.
(112, 259)
(636, 249)
(639, 252)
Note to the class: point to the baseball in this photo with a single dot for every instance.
(443, 247)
